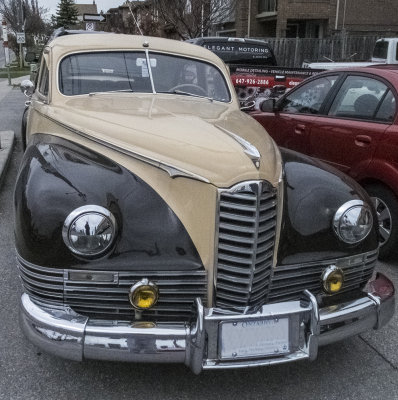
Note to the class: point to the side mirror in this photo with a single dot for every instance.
(27, 88)
(268, 105)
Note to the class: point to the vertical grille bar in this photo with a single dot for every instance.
(246, 239)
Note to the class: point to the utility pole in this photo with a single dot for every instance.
(249, 13)
(6, 50)
(22, 30)
(337, 15)
(201, 22)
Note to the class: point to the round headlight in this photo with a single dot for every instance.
(353, 221)
(89, 230)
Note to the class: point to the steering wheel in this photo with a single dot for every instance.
(189, 86)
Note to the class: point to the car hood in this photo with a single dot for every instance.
(213, 141)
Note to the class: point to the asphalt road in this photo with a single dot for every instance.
(364, 367)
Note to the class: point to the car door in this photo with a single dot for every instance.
(290, 124)
(348, 135)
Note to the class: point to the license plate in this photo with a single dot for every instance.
(254, 338)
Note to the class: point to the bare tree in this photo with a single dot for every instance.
(24, 16)
(21, 15)
(133, 17)
(193, 18)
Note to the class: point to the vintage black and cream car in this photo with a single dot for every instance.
(157, 222)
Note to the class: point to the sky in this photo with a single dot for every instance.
(104, 5)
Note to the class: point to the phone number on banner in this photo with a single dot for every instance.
(248, 81)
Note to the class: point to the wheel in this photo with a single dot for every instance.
(386, 205)
(190, 86)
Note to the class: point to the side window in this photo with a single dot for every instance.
(309, 98)
(358, 98)
(43, 79)
(387, 108)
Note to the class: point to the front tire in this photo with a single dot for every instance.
(386, 204)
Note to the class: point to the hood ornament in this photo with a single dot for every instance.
(249, 149)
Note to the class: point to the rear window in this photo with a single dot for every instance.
(380, 50)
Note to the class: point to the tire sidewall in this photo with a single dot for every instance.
(388, 197)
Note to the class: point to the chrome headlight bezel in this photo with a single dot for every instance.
(350, 207)
(85, 212)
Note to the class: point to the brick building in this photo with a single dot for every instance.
(311, 18)
(120, 19)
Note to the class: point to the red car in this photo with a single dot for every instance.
(347, 118)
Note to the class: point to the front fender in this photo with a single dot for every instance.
(313, 191)
(382, 171)
(57, 176)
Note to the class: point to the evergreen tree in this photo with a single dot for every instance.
(66, 15)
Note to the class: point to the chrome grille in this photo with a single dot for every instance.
(109, 300)
(289, 281)
(44, 283)
(246, 238)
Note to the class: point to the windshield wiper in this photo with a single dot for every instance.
(191, 94)
(112, 91)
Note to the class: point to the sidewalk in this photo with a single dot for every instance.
(5, 88)
(7, 138)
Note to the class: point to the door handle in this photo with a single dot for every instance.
(363, 140)
(299, 129)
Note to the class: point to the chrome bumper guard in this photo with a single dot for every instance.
(64, 333)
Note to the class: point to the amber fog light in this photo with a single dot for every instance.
(332, 279)
(143, 295)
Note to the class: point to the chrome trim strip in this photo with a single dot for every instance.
(249, 149)
(279, 217)
(212, 299)
(148, 62)
(338, 261)
(172, 170)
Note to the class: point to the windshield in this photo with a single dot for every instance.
(99, 72)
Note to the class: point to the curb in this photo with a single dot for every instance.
(7, 141)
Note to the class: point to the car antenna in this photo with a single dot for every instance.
(135, 20)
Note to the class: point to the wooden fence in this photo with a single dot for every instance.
(292, 52)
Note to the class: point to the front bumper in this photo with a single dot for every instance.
(64, 333)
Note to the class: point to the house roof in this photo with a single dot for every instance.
(86, 9)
